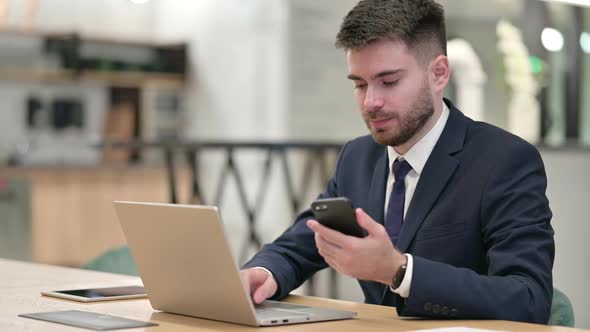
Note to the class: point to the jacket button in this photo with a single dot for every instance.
(445, 311)
(436, 308)
(454, 312)
(428, 306)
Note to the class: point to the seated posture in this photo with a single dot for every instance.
(455, 213)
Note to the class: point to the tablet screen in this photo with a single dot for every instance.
(105, 292)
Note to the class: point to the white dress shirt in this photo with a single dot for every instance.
(416, 157)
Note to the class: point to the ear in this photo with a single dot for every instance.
(440, 73)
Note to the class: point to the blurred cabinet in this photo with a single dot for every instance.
(72, 218)
(15, 220)
(165, 115)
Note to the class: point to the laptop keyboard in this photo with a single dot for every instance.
(278, 309)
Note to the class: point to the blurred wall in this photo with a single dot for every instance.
(568, 191)
(238, 56)
(111, 18)
(266, 69)
(321, 99)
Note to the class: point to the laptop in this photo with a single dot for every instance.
(187, 268)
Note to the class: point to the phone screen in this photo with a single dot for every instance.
(93, 293)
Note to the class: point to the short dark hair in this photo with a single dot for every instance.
(420, 24)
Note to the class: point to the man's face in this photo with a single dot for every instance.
(392, 90)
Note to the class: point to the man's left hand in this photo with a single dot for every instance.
(370, 258)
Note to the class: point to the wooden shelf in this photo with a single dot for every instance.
(88, 38)
(116, 79)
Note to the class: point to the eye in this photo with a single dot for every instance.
(360, 86)
(390, 84)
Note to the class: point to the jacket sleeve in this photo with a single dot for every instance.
(516, 232)
(293, 257)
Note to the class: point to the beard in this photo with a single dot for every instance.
(408, 125)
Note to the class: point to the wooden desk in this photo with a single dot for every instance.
(20, 284)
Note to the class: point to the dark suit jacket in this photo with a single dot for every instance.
(478, 227)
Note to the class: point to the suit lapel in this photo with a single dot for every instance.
(438, 169)
(376, 202)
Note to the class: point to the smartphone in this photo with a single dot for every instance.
(99, 294)
(338, 214)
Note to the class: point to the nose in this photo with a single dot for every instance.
(373, 101)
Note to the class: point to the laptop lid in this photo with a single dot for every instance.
(185, 261)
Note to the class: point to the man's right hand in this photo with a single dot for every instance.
(259, 284)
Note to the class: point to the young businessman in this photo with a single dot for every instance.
(457, 221)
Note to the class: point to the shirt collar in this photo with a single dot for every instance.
(419, 153)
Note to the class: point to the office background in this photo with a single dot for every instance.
(258, 70)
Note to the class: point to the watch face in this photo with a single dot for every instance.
(399, 277)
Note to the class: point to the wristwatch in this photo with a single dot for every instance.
(399, 276)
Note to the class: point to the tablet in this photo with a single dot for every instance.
(100, 294)
(88, 320)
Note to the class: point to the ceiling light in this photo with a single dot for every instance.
(585, 42)
(552, 39)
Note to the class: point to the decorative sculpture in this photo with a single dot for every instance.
(524, 111)
(469, 77)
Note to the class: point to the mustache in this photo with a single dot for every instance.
(378, 115)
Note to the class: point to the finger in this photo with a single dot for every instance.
(246, 281)
(367, 223)
(328, 257)
(327, 254)
(333, 264)
(326, 247)
(320, 240)
(266, 290)
(331, 235)
(321, 244)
